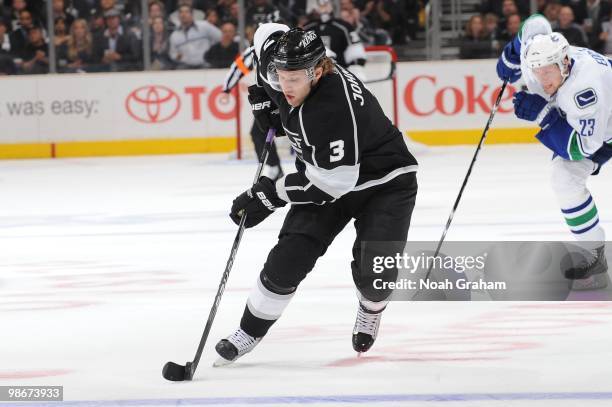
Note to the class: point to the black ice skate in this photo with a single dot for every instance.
(236, 345)
(366, 328)
(590, 275)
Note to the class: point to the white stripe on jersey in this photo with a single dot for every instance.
(386, 178)
(335, 182)
(348, 99)
(314, 160)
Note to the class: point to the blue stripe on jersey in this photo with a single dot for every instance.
(579, 207)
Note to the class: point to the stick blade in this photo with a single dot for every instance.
(177, 373)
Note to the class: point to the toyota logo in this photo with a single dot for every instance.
(152, 104)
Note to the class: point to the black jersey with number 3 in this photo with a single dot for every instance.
(343, 140)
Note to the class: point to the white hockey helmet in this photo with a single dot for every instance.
(547, 49)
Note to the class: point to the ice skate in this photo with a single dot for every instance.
(234, 346)
(366, 328)
(590, 275)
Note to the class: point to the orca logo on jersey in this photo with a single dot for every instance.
(585, 98)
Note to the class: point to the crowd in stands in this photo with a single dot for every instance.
(585, 23)
(107, 35)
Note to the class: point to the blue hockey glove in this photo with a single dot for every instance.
(549, 116)
(509, 63)
(527, 106)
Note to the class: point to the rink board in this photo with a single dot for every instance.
(438, 103)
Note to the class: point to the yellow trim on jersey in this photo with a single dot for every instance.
(472, 136)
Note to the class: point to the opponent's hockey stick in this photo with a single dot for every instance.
(465, 180)
(175, 372)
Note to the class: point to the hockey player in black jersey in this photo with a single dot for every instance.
(339, 37)
(352, 163)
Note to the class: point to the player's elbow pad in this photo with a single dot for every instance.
(557, 137)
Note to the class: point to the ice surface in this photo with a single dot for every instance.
(108, 268)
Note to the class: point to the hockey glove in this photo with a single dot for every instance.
(509, 63)
(527, 106)
(256, 203)
(264, 110)
(547, 117)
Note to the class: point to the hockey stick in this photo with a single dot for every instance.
(175, 372)
(465, 180)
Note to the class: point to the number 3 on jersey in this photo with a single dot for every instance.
(588, 127)
(337, 150)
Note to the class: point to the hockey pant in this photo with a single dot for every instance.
(382, 214)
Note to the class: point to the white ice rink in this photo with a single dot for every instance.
(108, 268)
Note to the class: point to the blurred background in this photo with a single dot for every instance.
(68, 36)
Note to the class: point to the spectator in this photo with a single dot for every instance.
(198, 15)
(492, 30)
(475, 43)
(5, 42)
(7, 66)
(606, 36)
(35, 56)
(156, 9)
(389, 15)
(350, 13)
(259, 11)
(512, 27)
(159, 45)
(223, 53)
(234, 13)
(223, 9)
(504, 8)
(551, 12)
(249, 32)
(212, 16)
(96, 24)
(571, 31)
(509, 8)
(79, 53)
(82, 8)
(17, 6)
(61, 31)
(121, 47)
(190, 41)
(540, 5)
(19, 37)
(106, 6)
(591, 14)
(491, 26)
(59, 10)
(60, 40)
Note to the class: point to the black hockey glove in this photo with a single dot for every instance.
(257, 203)
(264, 110)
